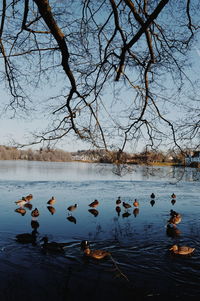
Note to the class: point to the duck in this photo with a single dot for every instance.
(135, 203)
(118, 201)
(27, 237)
(52, 201)
(95, 254)
(173, 196)
(153, 195)
(35, 213)
(93, 212)
(118, 210)
(126, 205)
(22, 211)
(51, 209)
(53, 246)
(175, 217)
(94, 204)
(181, 250)
(28, 198)
(72, 207)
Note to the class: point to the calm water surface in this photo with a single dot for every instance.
(141, 266)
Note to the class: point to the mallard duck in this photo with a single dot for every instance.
(27, 237)
(135, 203)
(96, 254)
(52, 201)
(28, 198)
(72, 219)
(95, 203)
(173, 196)
(93, 212)
(22, 211)
(118, 201)
(175, 217)
(35, 213)
(72, 207)
(118, 210)
(53, 246)
(152, 202)
(153, 195)
(181, 250)
(126, 205)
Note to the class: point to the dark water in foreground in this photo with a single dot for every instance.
(141, 267)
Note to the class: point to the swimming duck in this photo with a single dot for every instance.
(72, 207)
(118, 201)
(53, 246)
(135, 203)
(96, 254)
(95, 203)
(181, 250)
(51, 209)
(51, 201)
(35, 213)
(94, 212)
(153, 196)
(28, 198)
(126, 205)
(175, 217)
(22, 211)
(27, 237)
(173, 196)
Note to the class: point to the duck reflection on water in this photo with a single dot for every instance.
(71, 219)
(172, 231)
(22, 211)
(51, 209)
(118, 210)
(136, 211)
(152, 202)
(28, 206)
(35, 224)
(126, 214)
(93, 212)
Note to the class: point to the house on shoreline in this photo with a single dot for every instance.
(193, 158)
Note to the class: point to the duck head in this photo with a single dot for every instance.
(85, 244)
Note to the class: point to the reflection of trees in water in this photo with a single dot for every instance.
(188, 174)
(97, 231)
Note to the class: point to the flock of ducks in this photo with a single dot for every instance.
(175, 218)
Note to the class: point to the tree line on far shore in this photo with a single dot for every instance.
(99, 156)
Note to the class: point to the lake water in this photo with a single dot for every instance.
(141, 266)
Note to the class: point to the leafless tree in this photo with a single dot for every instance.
(118, 68)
